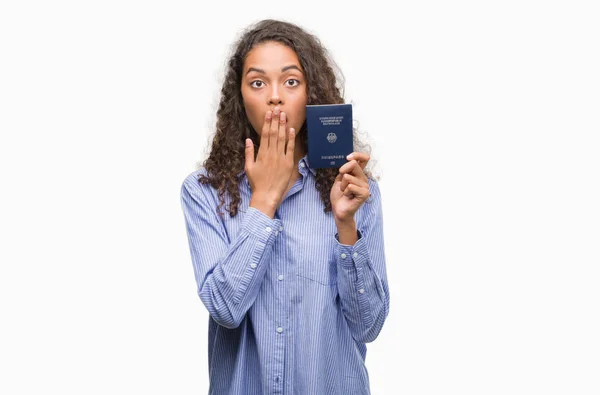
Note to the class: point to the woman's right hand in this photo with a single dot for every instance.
(270, 174)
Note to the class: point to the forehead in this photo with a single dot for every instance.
(271, 56)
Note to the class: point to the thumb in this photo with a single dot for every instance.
(249, 153)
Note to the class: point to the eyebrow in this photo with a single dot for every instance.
(286, 68)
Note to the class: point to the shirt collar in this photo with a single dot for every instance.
(304, 161)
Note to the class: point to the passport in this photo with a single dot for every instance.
(330, 137)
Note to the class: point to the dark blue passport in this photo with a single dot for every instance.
(330, 134)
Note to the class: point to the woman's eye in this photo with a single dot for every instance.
(259, 84)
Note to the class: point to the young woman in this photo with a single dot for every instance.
(293, 274)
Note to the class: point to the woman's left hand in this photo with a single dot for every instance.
(351, 188)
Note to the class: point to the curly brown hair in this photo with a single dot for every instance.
(225, 163)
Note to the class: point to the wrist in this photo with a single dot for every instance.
(345, 222)
(265, 204)
(347, 232)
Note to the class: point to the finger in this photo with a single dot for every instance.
(360, 193)
(350, 179)
(353, 168)
(291, 144)
(274, 128)
(249, 154)
(362, 158)
(281, 133)
(264, 135)
(348, 166)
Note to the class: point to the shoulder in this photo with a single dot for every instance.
(191, 185)
(191, 179)
(374, 190)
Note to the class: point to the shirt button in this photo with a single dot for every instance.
(302, 164)
(280, 277)
(362, 291)
(281, 228)
(343, 256)
(279, 329)
(268, 229)
(355, 254)
(253, 266)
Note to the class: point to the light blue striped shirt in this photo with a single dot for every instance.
(291, 308)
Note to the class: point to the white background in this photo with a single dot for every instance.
(484, 119)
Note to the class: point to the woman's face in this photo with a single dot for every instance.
(272, 77)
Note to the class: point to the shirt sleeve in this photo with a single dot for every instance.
(362, 278)
(228, 273)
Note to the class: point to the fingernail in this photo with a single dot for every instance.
(349, 157)
(282, 116)
(269, 114)
(247, 142)
(276, 111)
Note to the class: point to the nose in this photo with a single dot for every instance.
(274, 97)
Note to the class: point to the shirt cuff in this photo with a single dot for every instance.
(351, 255)
(261, 226)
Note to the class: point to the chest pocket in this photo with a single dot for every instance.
(315, 249)
(319, 268)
